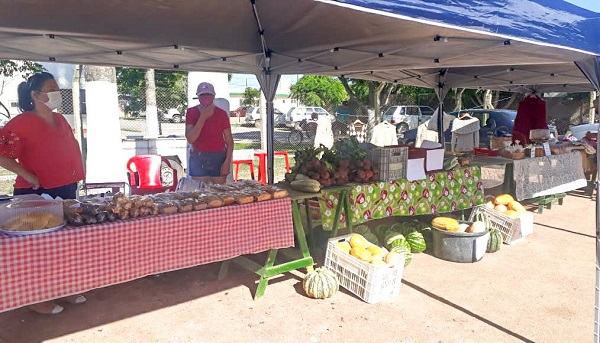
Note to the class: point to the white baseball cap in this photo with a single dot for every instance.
(205, 88)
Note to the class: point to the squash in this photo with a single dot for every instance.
(393, 258)
(490, 205)
(362, 254)
(500, 208)
(321, 283)
(445, 223)
(376, 250)
(307, 186)
(344, 246)
(463, 227)
(358, 241)
(477, 226)
(503, 199)
(516, 206)
(495, 241)
(512, 213)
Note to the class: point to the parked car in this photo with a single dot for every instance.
(407, 117)
(172, 115)
(253, 117)
(579, 131)
(240, 111)
(298, 114)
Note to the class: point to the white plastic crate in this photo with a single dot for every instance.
(369, 282)
(512, 229)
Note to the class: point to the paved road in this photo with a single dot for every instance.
(240, 133)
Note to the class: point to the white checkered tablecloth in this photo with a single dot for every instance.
(74, 260)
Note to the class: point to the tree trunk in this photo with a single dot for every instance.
(104, 161)
(458, 99)
(151, 108)
(487, 100)
(510, 101)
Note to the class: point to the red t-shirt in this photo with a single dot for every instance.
(211, 137)
(51, 153)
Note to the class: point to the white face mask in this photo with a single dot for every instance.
(54, 100)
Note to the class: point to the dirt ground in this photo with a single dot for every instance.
(540, 290)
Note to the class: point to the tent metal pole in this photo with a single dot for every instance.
(597, 290)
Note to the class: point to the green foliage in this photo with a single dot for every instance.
(171, 89)
(9, 68)
(251, 96)
(321, 91)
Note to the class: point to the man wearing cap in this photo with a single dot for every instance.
(208, 130)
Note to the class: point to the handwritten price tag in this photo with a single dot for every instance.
(547, 151)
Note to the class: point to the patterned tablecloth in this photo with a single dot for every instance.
(440, 192)
(72, 260)
(540, 176)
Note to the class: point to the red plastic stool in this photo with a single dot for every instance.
(243, 156)
(149, 174)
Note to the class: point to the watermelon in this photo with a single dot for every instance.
(416, 241)
(404, 251)
(495, 241)
(380, 231)
(371, 237)
(396, 240)
(361, 229)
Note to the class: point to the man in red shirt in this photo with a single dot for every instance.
(208, 130)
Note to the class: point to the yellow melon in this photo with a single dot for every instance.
(516, 206)
(501, 208)
(503, 199)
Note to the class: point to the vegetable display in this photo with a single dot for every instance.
(321, 283)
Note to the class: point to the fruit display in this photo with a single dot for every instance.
(321, 283)
(359, 247)
(479, 225)
(413, 234)
(495, 241)
(346, 162)
(507, 205)
(96, 210)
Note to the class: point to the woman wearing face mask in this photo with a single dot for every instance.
(208, 130)
(39, 146)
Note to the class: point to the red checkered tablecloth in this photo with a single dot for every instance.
(74, 260)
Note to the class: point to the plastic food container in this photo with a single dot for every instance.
(459, 246)
(31, 215)
(538, 135)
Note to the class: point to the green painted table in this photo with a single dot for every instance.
(440, 192)
(270, 269)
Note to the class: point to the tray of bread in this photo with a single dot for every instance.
(96, 210)
(31, 217)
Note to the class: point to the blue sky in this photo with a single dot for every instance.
(592, 5)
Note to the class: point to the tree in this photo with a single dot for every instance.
(251, 96)
(323, 91)
(171, 89)
(10, 69)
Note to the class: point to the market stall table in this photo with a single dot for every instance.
(74, 260)
(440, 192)
(495, 169)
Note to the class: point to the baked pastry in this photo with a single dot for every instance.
(276, 193)
(242, 197)
(32, 221)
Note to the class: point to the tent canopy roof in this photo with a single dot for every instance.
(403, 40)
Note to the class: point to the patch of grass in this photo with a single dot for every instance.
(6, 185)
(246, 145)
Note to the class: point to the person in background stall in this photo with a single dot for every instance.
(39, 146)
(208, 130)
(531, 114)
(343, 112)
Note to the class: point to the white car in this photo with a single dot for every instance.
(407, 117)
(579, 131)
(253, 117)
(172, 115)
(298, 114)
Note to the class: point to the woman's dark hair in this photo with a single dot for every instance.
(34, 83)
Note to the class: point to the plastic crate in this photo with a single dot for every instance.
(369, 282)
(512, 229)
(391, 162)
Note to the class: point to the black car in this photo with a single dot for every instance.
(493, 122)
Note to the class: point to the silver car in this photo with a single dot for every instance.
(253, 117)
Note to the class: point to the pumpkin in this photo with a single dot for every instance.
(495, 241)
(503, 199)
(321, 283)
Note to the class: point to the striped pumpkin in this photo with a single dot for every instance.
(321, 283)
(495, 241)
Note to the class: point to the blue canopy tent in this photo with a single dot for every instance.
(433, 43)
